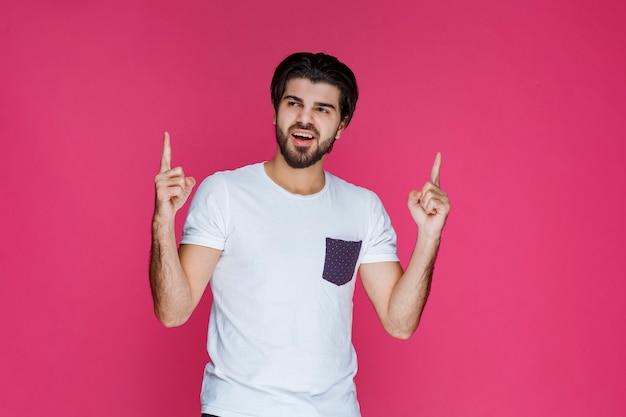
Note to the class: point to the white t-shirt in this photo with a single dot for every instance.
(280, 330)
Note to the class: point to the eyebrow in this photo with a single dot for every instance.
(316, 104)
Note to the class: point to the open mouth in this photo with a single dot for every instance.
(302, 138)
(299, 135)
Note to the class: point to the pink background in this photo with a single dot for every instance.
(526, 100)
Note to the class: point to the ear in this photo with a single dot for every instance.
(342, 127)
(274, 118)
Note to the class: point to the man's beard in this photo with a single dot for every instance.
(302, 156)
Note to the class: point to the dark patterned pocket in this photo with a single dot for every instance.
(340, 261)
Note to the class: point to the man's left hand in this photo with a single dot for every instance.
(430, 206)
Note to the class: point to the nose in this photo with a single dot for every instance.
(304, 116)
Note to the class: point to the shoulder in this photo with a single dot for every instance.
(222, 183)
(252, 170)
(348, 189)
(234, 176)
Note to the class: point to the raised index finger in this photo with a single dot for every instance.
(166, 157)
(434, 174)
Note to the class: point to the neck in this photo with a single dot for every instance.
(303, 181)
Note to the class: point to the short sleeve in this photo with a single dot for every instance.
(382, 244)
(207, 216)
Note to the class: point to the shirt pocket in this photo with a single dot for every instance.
(340, 260)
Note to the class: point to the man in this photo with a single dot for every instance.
(281, 243)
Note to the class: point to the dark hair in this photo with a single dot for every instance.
(317, 68)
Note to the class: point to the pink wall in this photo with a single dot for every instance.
(526, 100)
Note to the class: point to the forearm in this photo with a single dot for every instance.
(410, 293)
(171, 291)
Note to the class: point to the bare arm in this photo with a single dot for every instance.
(177, 277)
(399, 296)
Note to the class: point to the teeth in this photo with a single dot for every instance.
(303, 135)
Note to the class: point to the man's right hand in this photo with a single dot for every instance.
(172, 187)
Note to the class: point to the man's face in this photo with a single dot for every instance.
(308, 121)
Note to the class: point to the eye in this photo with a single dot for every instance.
(322, 109)
(293, 104)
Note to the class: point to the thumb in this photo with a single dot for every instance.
(190, 182)
(414, 197)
